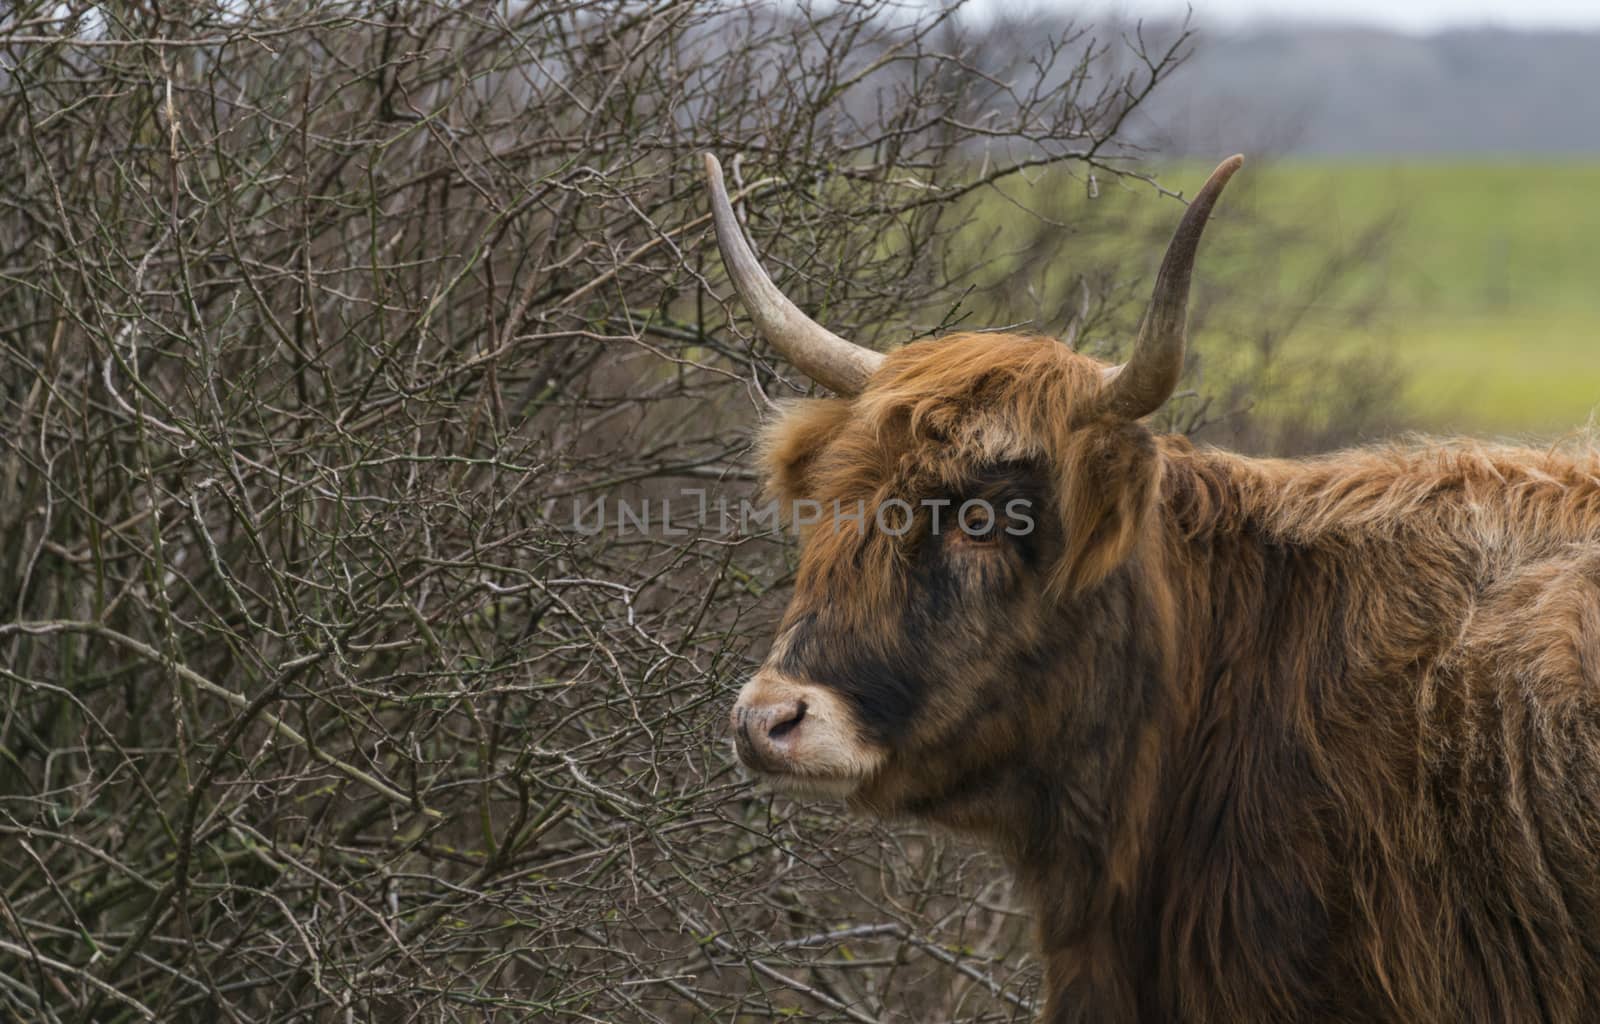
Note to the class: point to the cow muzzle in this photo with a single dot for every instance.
(801, 737)
(766, 734)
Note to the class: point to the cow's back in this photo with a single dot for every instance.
(1509, 731)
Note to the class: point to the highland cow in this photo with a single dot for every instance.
(1264, 740)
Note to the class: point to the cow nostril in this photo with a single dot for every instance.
(783, 724)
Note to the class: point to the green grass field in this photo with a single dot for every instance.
(1485, 281)
(1492, 294)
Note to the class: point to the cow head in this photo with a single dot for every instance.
(974, 501)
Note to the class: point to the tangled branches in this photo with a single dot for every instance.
(319, 327)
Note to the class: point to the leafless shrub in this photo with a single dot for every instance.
(323, 329)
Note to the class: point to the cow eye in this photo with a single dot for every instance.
(978, 524)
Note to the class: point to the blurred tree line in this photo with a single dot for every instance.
(318, 324)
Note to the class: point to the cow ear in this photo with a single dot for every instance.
(1109, 482)
(791, 443)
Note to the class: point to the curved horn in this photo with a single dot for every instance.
(1139, 386)
(819, 353)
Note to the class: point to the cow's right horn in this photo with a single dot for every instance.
(822, 355)
(1139, 386)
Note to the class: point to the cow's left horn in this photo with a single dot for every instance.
(822, 355)
(1139, 386)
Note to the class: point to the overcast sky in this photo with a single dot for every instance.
(1404, 15)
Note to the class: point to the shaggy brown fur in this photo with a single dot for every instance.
(1265, 740)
